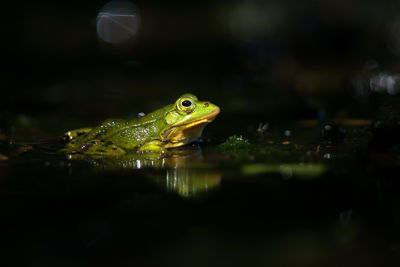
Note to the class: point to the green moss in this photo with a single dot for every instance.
(234, 143)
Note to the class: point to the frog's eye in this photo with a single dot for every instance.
(186, 105)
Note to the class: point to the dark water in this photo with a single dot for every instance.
(317, 196)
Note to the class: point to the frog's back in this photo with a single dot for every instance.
(140, 130)
(126, 134)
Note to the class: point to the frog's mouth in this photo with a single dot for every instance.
(180, 135)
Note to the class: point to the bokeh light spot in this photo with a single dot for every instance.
(118, 21)
(385, 82)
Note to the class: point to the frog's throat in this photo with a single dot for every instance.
(185, 133)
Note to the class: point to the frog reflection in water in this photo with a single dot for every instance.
(171, 126)
(181, 171)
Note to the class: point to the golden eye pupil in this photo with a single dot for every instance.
(186, 103)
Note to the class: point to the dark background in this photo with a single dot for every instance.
(296, 59)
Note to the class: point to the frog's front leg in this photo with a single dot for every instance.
(75, 133)
(153, 146)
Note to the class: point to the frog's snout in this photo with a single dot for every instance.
(206, 104)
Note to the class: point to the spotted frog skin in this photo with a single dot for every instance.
(171, 126)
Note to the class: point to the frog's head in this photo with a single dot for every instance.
(187, 119)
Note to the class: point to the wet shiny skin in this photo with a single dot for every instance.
(171, 126)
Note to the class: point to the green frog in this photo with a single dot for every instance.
(171, 126)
